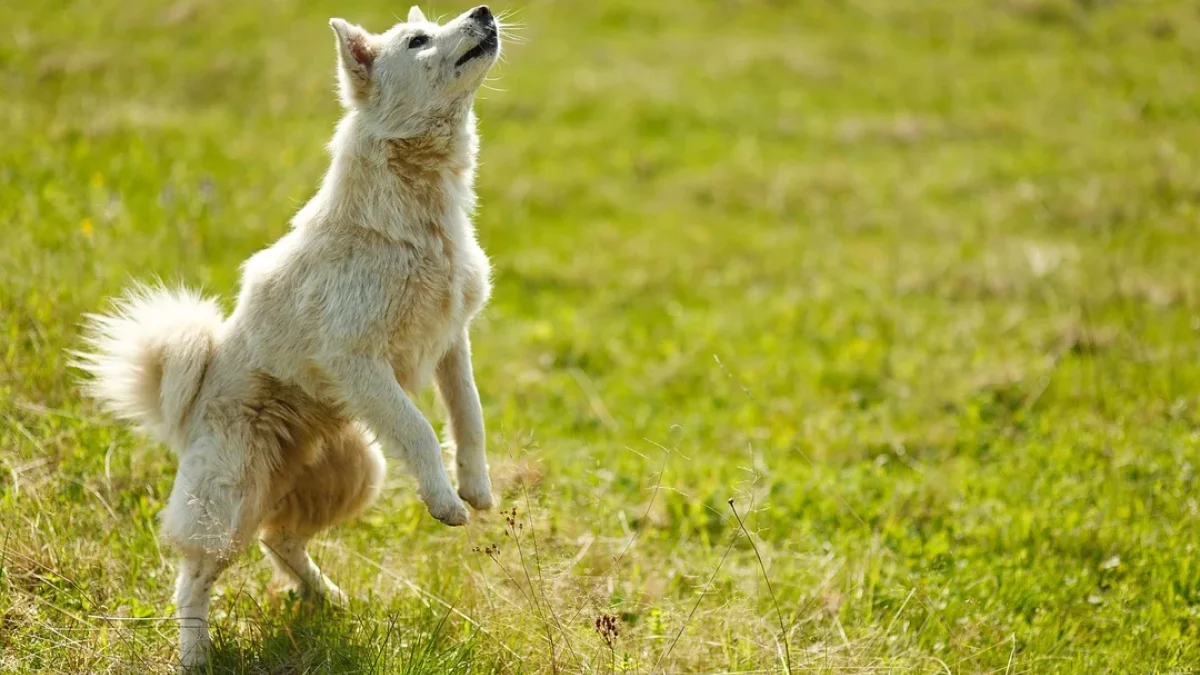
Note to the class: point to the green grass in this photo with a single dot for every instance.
(913, 282)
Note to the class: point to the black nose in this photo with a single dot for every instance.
(482, 14)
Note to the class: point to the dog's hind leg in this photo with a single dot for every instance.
(288, 554)
(193, 590)
(339, 485)
(211, 517)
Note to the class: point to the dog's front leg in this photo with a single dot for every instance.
(369, 388)
(456, 385)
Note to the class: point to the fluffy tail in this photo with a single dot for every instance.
(147, 357)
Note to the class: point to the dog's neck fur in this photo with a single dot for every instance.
(393, 185)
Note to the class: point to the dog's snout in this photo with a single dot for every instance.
(482, 14)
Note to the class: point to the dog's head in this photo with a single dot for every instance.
(418, 73)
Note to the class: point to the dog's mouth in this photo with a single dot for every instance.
(488, 45)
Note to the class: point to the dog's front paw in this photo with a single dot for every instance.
(477, 491)
(449, 509)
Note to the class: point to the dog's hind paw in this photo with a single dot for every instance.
(335, 596)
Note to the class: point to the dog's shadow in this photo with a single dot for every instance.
(294, 635)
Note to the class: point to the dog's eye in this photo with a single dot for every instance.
(418, 41)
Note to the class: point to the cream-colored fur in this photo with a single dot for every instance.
(364, 302)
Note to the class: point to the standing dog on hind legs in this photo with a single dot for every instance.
(338, 324)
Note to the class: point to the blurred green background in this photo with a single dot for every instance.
(913, 282)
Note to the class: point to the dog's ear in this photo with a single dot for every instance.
(356, 59)
(415, 15)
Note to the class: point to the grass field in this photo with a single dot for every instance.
(913, 283)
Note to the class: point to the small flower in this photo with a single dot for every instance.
(608, 626)
(491, 550)
(510, 520)
(86, 227)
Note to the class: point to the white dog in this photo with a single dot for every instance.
(338, 323)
